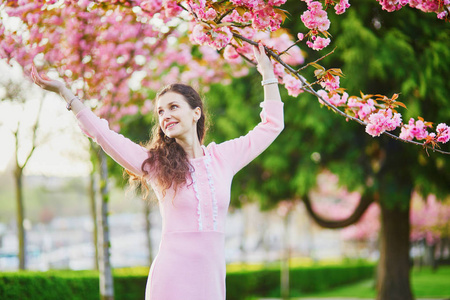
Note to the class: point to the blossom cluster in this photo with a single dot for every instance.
(216, 38)
(418, 130)
(429, 218)
(440, 7)
(315, 18)
(381, 121)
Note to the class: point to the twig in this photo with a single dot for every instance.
(224, 15)
(313, 62)
(247, 59)
(289, 48)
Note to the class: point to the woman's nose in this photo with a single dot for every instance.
(166, 115)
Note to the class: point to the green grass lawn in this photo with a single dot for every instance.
(425, 284)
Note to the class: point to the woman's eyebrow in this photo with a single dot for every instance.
(168, 104)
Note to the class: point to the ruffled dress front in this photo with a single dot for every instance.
(190, 264)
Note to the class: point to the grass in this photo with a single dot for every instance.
(425, 284)
(294, 262)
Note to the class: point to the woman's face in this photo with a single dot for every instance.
(176, 118)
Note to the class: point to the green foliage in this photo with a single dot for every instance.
(49, 285)
(130, 283)
(82, 285)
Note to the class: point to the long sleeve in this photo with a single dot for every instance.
(125, 152)
(241, 151)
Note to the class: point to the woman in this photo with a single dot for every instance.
(192, 182)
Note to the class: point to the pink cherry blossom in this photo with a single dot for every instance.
(383, 120)
(230, 53)
(293, 85)
(363, 108)
(330, 83)
(333, 98)
(200, 34)
(172, 8)
(413, 129)
(429, 218)
(319, 43)
(342, 6)
(443, 133)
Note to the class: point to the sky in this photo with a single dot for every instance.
(63, 149)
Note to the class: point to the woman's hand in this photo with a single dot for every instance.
(45, 82)
(265, 66)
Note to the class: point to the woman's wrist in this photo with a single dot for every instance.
(268, 75)
(66, 93)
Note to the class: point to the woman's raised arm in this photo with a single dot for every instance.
(239, 152)
(124, 151)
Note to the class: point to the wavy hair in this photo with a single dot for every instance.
(167, 161)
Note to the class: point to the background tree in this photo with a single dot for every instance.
(27, 137)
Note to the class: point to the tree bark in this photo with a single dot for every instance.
(18, 177)
(364, 202)
(394, 265)
(106, 279)
(285, 261)
(92, 193)
(148, 227)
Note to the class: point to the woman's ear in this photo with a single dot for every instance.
(197, 113)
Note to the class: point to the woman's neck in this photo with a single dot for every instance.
(192, 147)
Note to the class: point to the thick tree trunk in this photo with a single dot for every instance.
(394, 266)
(92, 193)
(18, 176)
(106, 279)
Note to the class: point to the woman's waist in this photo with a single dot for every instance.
(214, 234)
(193, 243)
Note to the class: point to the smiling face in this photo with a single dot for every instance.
(176, 117)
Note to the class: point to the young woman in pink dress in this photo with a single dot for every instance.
(192, 181)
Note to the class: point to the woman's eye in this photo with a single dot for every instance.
(174, 106)
(160, 112)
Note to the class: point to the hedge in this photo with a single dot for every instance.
(302, 280)
(129, 284)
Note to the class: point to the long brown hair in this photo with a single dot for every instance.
(167, 160)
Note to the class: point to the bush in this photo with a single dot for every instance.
(129, 284)
(302, 280)
(73, 285)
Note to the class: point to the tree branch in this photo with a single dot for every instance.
(34, 130)
(309, 89)
(363, 204)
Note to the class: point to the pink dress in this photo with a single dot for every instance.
(190, 264)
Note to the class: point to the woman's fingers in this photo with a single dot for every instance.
(44, 76)
(44, 81)
(261, 49)
(35, 76)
